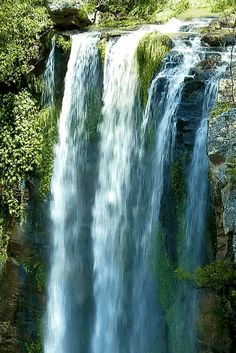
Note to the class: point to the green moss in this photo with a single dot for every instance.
(20, 38)
(4, 240)
(120, 24)
(102, 49)
(178, 180)
(164, 272)
(220, 108)
(221, 5)
(48, 121)
(91, 133)
(63, 43)
(82, 14)
(151, 50)
(231, 171)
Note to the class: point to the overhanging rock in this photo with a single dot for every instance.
(67, 15)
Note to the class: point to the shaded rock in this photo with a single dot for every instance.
(203, 69)
(222, 137)
(222, 154)
(68, 16)
(218, 39)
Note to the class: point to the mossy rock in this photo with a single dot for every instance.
(69, 17)
(64, 43)
(151, 50)
(102, 49)
(218, 38)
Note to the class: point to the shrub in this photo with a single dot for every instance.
(22, 22)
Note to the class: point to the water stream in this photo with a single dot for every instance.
(115, 222)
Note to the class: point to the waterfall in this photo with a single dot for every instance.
(162, 108)
(193, 254)
(66, 302)
(110, 213)
(112, 285)
(49, 77)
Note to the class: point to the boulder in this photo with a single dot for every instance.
(68, 15)
(202, 69)
(218, 39)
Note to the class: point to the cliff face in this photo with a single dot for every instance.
(222, 147)
(222, 158)
(222, 155)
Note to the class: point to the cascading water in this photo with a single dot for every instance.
(162, 109)
(69, 216)
(112, 287)
(110, 214)
(195, 218)
(49, 78)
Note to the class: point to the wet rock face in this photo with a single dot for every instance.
(68, 15)
(222, 154)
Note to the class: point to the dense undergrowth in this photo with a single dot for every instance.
(24, 35)
(126, 13)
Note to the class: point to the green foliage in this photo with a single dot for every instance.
(221, 5)
(20, 148)
(64, 43)
(219, 276)
(38, 272)
(48, 123)
(231, 170)
(220, 108)
(150, 52)
(27, 137)
(36, 345)
(178, 180)
(4, 240)
(102, 49)
(181, 6)
(21, 24)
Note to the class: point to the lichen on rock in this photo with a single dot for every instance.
(151, 50)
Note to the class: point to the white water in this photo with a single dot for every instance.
(49, 78)
(118, 144)
(126, 211)
(165, 135)
(66, 194)
(193, 249)
(198, 181)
